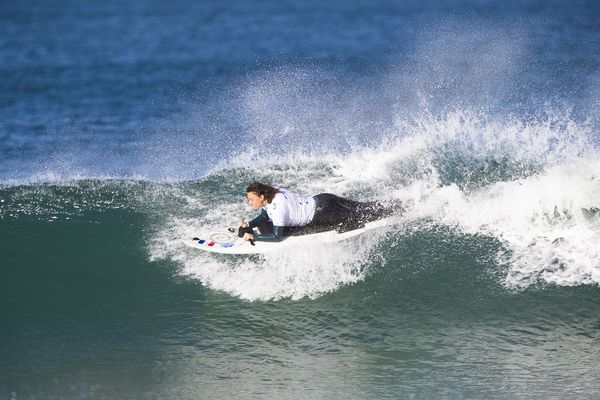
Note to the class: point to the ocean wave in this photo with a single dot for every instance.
(530, 185)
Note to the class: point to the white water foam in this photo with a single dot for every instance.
(548, 223)
(547, 220)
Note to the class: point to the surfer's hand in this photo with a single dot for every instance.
(248, 236)
(243, 224)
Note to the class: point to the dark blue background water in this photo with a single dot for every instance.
(124, 126)
(99, 89)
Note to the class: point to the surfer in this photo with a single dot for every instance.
(286, 213)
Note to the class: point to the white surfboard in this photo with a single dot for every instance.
(226, 242)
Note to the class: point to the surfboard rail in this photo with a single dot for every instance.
(225, 242)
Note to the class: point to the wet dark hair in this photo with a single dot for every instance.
(261, 189)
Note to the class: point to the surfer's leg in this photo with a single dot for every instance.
(334, 210)
(329, 211)
(372, 211)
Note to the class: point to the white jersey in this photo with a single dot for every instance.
(291, 209)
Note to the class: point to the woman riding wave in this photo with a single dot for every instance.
(286, 213)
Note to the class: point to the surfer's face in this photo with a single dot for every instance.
(256, 201)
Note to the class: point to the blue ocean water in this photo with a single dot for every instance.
(124, 127)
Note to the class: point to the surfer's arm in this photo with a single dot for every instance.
(275, 236)
(262, 217)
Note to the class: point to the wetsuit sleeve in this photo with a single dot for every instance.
(274, 236)
(262, 217)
